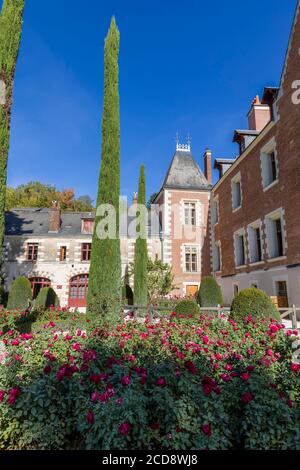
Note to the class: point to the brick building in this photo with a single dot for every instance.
(255, 216)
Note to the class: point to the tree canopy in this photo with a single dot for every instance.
(35, 194)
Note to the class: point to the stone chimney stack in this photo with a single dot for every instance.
(259, 115)
(55, 217)
(135, 199)
(208, 166)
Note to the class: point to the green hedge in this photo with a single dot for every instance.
(187, 307)
(253, 302)
(20, 294)
(210, 294)
(46, 298)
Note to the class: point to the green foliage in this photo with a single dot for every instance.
(10, 34)
(141, 251)
(160, 279)
(253, 302)
(187, 307)
(46, 298)
(209, 294)
(105, 269)
(36, 194)
(20, 294)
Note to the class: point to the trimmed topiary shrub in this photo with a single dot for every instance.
(209, 294)
(253, 302)
(187, 307)
(20, 294)
(46, 298)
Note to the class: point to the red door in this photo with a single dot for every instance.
(38, 283)
(78, 290)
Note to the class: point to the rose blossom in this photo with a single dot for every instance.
(124, 429)
(90, 417)
(247, 397)
(206, 429)
(161, 382)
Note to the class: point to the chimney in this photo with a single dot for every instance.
(207, 166)
(135, 199)
(259, 115)
(55, 217)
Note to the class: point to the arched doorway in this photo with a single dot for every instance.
(37, 283)
(78, 290)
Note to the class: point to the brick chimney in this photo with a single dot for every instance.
(55, 217)
(259, 115)
(207, 166)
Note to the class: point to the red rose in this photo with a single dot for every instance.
(2, 393)
(206, 429)
(124, 429)
(47, 369)
(247, 398)
(13, 394)
(245, 376)
(161, 382)
(125, 380)
(295, 367)
(90, 417)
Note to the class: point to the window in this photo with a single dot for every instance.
(255, 243)
(87, 225)
(275, 235)
(269, 164)
(235, 289)
(215, 211)
(38, 283)
(191, 259)
(236, 189)
(86, 249)
(78, 290)
(239, 246)
(281, 289)
(63, 253)
(217, 257)
(190, 213)
(32, 251)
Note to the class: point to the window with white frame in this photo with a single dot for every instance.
(236, 188)
(255, 242)
(217, 257)
(269, 164)
(214, 211)
(191, 259)
(190, 213)
(239, 248)
(275, 239)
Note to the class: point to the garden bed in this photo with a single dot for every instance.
(194, 382)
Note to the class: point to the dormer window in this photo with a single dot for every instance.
(87, 226)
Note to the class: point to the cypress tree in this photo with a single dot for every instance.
(10, 34)
(141, 253)
(105, 269)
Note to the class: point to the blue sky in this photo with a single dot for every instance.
(185, 66)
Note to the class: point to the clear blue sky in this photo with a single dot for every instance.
(185, 66)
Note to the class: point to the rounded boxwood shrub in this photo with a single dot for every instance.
(20, 294)
(46, 298)
(187, 307)
(210, 294)
(253, 302)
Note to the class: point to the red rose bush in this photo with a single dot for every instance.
(195, 382)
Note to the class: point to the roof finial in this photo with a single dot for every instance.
(183, 147)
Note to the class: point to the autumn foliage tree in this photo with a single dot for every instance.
(10, 34)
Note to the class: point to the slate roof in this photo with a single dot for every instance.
(35, 222)
(185, 173)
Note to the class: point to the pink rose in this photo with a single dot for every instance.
(124, 429)
(206, 429)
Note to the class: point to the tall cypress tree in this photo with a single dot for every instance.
(141, 252)
(10, 34)
(105, 269)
